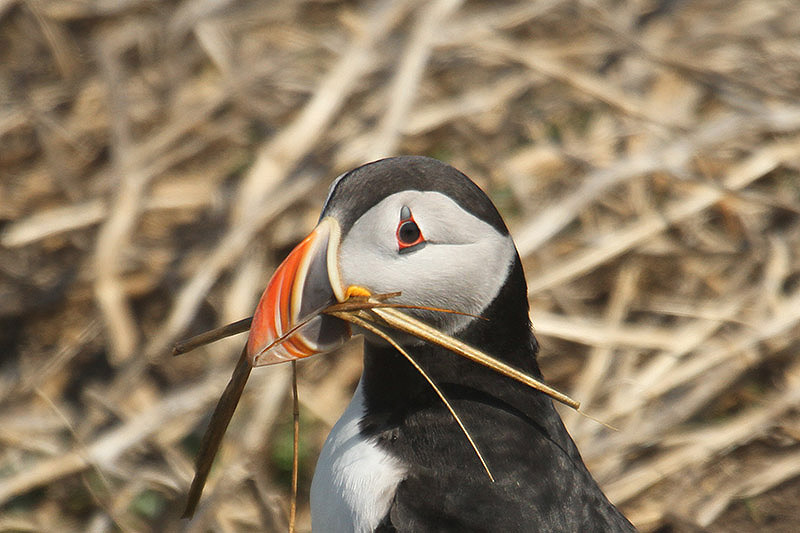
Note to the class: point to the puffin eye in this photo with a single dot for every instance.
(408, 233)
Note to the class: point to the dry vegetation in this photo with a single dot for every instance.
(158, 159)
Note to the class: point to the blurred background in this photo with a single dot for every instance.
(158, 159)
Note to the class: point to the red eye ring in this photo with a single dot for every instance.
(408, 233)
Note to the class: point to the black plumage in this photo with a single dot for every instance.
(541, 482)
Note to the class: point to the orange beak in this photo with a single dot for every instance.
(287, 323)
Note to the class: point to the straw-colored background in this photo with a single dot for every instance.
(157, 159)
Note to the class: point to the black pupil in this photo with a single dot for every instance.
(409, 232)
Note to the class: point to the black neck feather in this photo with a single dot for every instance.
(393, 388)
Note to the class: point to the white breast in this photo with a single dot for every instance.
(355, 480)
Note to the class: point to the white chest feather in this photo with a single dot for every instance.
(355, 480)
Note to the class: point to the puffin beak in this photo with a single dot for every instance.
(287, 323)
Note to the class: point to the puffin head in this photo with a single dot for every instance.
(409, 225)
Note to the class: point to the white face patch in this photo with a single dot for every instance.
(355, 480)
(461, 267)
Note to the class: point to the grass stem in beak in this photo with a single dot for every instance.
(369, 309)
(403, 322)
(216, 430)
(377, 331)
(207, 337)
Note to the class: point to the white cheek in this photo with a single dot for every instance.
(463, 277)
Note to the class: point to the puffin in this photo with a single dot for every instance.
(421, 232)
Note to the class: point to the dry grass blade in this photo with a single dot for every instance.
(295, 449)
(409, 74)
(216, 430)
(366, 308)
(207, 337)
(377, 331)
(407, 324)
(355, 311)
(106, 448)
